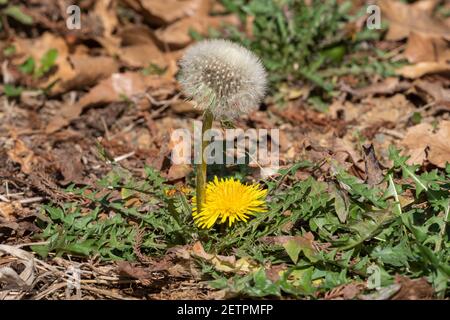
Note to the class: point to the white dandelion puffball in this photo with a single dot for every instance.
(223, 77)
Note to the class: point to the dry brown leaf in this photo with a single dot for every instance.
(432, 92)
(224, 263)
(422, 68)
(417, 289)
(387, 86)
(307, 240)
(36, 48)
(22, 155)
(423, 47)
(72, 71)
(87, 71)
(427, 36)
(104, 17)
(373, 169)
(177, 34)
(120, 85)
(178, 171)
(113, 89)
(422, 143)
(9, 277)
(106, 11)
(404, 18)
(135, 35)
(346, 291)
(142, 55)
(167, 11)
(7, 210)
(135, 272)
(139, 49)
(69, 164)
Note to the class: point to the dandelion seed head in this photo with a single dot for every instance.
(224, 77)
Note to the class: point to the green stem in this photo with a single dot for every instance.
(201, 168)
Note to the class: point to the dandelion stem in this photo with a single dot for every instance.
(202, 167)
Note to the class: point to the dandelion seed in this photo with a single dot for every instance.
(229, 200)
(223, 77)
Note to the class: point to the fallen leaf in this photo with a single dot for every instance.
(7, 210)
(69, 164)
(12, 279)
(427, 36)
(387, 86)
(105, 20)
(417, 289)
(87, 71)
(71, 71)
(346, 291)
(423, 143)
(177, 34)
(373, 169)
(118, 87)
(404, 18)
(141, 56)
(422, 68)
(435, 91)
(224, 263)
(37, 48)
(139, 49)
(135, 272)
(106, 11)
(178, 171)
(422, 47)
(166, 12)
(136, 35)
(22, 155)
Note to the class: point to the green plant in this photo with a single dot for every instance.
(46, 62)
(14, 12)
(361, 228)
(104, 219)
(305, 42)
(317, 234)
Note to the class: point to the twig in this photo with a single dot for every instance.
(53, 288)
(30, 200)
(392, 133)
(124, 156)
(107, 293)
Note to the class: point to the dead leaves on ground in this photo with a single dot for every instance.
(76, 65)
(117, 87)
(20, 276)
(404, 288)
(428, 45)
(21, 154)
(423, 142)
(417, 289)
(180, 262)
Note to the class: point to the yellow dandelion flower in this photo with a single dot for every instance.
(229, 199)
